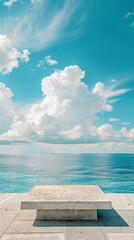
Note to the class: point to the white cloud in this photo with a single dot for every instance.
(37, 33)
(50, 61)
(108, 93)
(127, 133)
(114, 119)
(105, 131)
(46, 61)
(125, 123)
(72, 134)
(128, 14)
(10, 56)
(66, 113)
(6, 108)
(113, 81)
(25, 55)
(9, 3)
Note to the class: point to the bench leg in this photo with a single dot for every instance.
(66, 215)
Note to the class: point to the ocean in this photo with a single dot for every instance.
(114, 173)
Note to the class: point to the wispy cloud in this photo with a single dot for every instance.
(128, 14)
(108, 92)
(46, 62)
(114, 119)
(32, 32)
(125, 123)
(40, 64)
(113, 80)
(132, 24)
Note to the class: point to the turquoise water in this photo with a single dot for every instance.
(112, 172)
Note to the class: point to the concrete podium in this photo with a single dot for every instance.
(66, 202)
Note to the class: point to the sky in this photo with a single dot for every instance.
(66, 76)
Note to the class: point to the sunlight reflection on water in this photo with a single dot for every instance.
(112, 172)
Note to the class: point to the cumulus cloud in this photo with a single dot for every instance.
(9, 3)
(6, 108)
(66, 113)
(106, 133)
(72, 134)
(25, 55)
(10, 56)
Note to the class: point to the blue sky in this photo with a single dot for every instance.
(66, 76)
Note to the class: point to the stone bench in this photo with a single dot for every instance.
(66, 202)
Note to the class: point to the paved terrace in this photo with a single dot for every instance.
(115, 224)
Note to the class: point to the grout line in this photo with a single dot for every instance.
(104, 234)
(9, 197)
(13, 218)
(9, 224)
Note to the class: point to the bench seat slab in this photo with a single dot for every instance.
(66, 202)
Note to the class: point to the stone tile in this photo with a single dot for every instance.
(10, 208)
(120, 201)
(84, 233)
(120, 236)
(114, 224)
(6, 217)
(4, 196)
(3, 226)
(12, 203)
(126, 213)
(36, 227)
(15, 197)
(44, 236)
(25, 215)
(130, 222)
(5, 221)
(130, 197)
(125, 230)
(122, 222)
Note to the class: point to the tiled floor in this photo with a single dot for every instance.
(115, 224)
